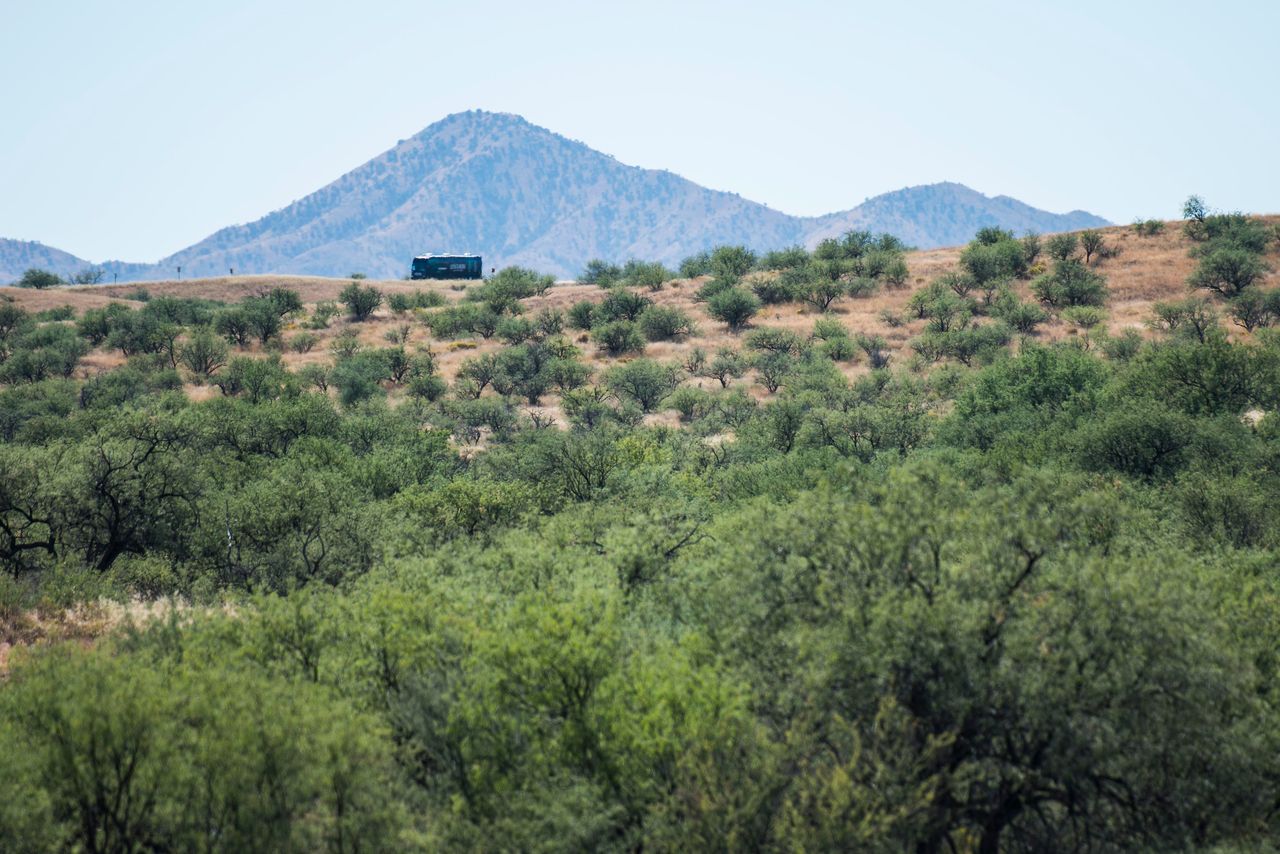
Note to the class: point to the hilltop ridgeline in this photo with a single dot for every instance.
(495, 184)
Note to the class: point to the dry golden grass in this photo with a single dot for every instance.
(80, 299)
(1145, 270)
(84, 624)
(312, 289)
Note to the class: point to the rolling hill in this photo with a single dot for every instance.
(19, 255)
(1143, 271)
(496, 184)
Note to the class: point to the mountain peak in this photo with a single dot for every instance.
(517, 193)
(478, 118)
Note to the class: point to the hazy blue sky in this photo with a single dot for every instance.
(129, 129)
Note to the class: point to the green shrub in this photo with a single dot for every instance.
(516, 330)
(96, 323)
(1093, 243)
(692, 403)
(234, 324)
(1219, 230)
(728, 364)
(399, 303)
(820, 292)
(1139, 438)
(14, 321)
(1122, 347)
(398, 334)
(983, 343)
(39, 279)
(427, 386)
(316, 376)
(783, 259)
(567, 374)
(324, 311)
(261, 318)
(861, 287)
(618, 337)
(89, 276)
(773, 369)
(345, 344)
(204, 353)
(138, 332)
(361, 300)
(943, 309)
(713, 288)
(1189, 318)
(643, 381)
(876, 348)
(1148, 227)
(991, 261)
(255, 380)
(891, 318)
(1084, 316)
(856, 245)
(839, 349)
(1070, 283)
(1228, 270)
(769, 340)
(40, 352)
(661, 323)
(828, 328)
(602, 273)
(696, 265)
(56, 315)
(582, 315)
(621, 305)
(503, 291)
(466, 319)
(1062, 247)
(1253, 308)
(1031, 248)
(894, 273)
(358, 378)
(428, 299)
(732, 262)
(1022, 316)
(645, 274)
(770, 290)
(180, 758)
(734, 307)
(548, 322)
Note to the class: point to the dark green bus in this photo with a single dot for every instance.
(446, 267)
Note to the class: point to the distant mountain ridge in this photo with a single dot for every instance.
(947, 214)
(516, 193)
(17, 256)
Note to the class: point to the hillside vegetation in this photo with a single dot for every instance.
(967, 549)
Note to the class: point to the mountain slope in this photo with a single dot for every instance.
(494, 184)
(947, 214)
(18, 256)
(519, 194)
